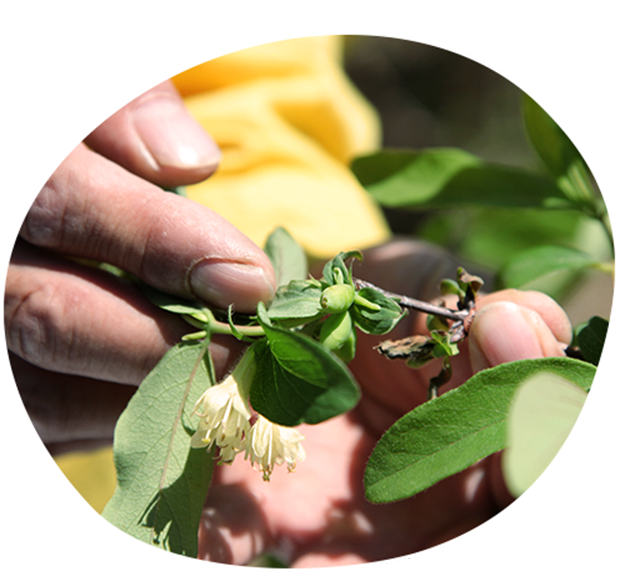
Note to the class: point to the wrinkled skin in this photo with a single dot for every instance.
(76, 369)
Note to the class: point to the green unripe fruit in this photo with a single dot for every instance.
(337, 298)
(336, 330)
(346, 352)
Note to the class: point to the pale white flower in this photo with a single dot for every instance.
(225, 417)
(269, 444)
(227, 421)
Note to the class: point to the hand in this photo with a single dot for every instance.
(318, 516)
(80, 339)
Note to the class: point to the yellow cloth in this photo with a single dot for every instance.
(288, 122)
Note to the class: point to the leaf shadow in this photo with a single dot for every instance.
(173, 520)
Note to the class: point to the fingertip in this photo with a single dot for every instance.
(505, 331)
(223, 283)
(155, 137)
(545, 306)
(174, 143)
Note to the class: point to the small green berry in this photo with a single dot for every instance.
(336, 330)
(337, 298)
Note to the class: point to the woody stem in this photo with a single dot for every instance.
(406, 302)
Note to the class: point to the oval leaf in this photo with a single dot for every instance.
(287, 257)
(377, 322)
(298, 299)
(443, 178)
(298, 381)
(543, 412)
(161, 482)
(551, 143)
(450, 433)
(537, 262)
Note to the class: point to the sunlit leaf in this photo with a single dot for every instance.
(535, 263)
(162, 482)
(380, 321)
(172, 303)
(298, 381)
(544, 411)
(337, 267)
(446, 435)
(298, 299)
(287, 257)
(446, 178)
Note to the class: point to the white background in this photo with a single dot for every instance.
(68, 65)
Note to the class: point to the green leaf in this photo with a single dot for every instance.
(380, 321)
(544, 411)
(446, 435)
(551, 143)
(298, 299)
(537, 262)
(443, 178)
(591, 339)
(443, 346)
(161, 482)
(336, 267)
(298, 381)
(174, 304)
(287, 257)
(489, 237)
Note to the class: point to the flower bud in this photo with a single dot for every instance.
(337, 298)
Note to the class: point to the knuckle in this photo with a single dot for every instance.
(43, 225)
(36, 325)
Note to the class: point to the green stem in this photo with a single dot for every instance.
(222, 328)
(216, 327)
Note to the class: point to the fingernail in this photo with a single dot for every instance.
(172, 136)
(225, 283)
(501, 333)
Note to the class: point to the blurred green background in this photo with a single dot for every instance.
(429, 97)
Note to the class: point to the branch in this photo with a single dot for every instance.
(426, 307)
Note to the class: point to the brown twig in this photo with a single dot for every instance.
(426, 307)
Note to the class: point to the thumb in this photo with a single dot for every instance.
(513, 325)
(155, 137)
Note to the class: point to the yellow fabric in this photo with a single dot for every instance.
(92, 474)
(288, 122)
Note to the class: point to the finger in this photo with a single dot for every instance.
(73, 319)
(94, 209)
(156, 138)
(546, 307)
(69, 410)
(513, 325)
